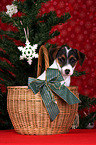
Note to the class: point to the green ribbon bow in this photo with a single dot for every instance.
(52, 83)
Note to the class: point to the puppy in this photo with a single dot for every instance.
(65, 60)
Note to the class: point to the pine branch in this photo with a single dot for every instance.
(90, 118)
(9, 52)
(58, 20)
(3, 55)
(11, 34)
(76, 73)
(7, 82)
(6, 75)
(55, 33)
(5, 122)
(30, 7)
(5, 18)
(86, 102)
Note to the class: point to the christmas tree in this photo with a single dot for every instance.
(33, 31)
(20, 48)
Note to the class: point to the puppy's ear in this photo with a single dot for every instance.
(81, 57)
(53, 52)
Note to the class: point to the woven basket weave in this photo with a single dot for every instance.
(28, 113)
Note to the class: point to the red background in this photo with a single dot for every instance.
(79, 32)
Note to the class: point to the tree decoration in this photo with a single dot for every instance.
(28, 52)
(11, 9)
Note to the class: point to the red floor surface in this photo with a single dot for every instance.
(74, 137)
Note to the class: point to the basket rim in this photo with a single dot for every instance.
(26, 87)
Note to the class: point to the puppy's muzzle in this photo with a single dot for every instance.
(67, 71)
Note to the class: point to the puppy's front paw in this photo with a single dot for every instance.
(62, 83)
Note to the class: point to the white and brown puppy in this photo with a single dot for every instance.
(65, 60)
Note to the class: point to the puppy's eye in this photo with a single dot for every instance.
(62, 59)
(72, 60)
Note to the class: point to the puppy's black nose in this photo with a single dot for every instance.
(67, 71)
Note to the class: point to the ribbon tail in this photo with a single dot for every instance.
(65, 94)
(51, 106)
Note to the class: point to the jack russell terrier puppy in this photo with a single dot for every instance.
(65, 60)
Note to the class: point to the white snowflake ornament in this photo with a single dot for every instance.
(11, 9)
(28, 52)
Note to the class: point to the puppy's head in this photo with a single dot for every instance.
(67, 58)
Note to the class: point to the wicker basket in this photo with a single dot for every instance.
(29, 115)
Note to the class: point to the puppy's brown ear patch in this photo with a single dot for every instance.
(81, 57)
(53, 52)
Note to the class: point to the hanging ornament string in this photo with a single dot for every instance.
(28, 52)
(26, 34)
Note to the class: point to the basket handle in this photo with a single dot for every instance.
(42, 49)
